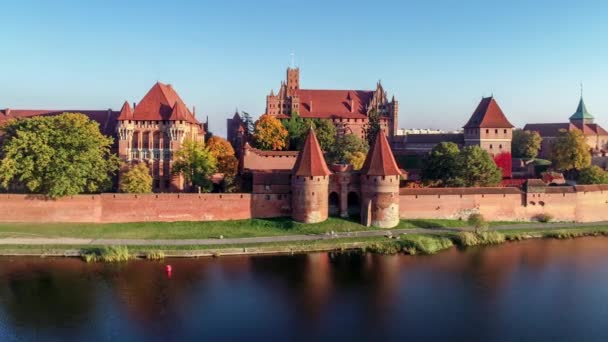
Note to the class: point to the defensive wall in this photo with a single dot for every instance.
(566, 203)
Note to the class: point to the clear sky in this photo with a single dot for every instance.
(437, 57)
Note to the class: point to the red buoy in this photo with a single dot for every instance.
(168, 269)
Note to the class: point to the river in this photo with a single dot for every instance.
(542, 290)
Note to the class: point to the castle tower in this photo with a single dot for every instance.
(310, 183)
(293, 80)
(581, 116)
(489, 128)
(380, 186)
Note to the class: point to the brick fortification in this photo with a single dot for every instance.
(579, 203)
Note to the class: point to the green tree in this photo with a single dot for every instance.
(196, 164)
(592, 175)
(269, 134)
(345, 148)
(570, 152)
(249, 124)
(442, 166)
(325, 130)
(373, 126)
(296, 130)
(477, 167)
(525, 144)
(136, 179)
(56, 155)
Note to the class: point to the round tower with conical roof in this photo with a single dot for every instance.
(310, 183)
(380, 177)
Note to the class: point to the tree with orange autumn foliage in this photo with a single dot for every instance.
(269, 134)
(221, 149)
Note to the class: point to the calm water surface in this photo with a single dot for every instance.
(529, 291)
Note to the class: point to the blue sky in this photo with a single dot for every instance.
(437, 57)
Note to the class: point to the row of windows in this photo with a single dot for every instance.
(473, 131)
(146, 154)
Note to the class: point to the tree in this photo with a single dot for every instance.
(373, 126)
(269, 133)
(296, 130)
(478, 222)
(478, 168)
(249, 125)
(57, 155)
(348, 149)
(592, 175)
(570, 152)
(525, 144)
(136, 179)
(195, 163)
(504, 161)
(227, 163)
(356, 159)
(325, 130)
(441, 166)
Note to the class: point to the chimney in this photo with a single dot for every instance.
(352, 105)
(193, 110)
(134, 104)
(310, 106)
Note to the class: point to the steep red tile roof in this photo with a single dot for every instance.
(125, 112)
(548, 129)
(310, 161)
(488, 115)
(552, 129)
(333, 103)
(380, 160)
(106, 119)
(180, 112)
(158, 104)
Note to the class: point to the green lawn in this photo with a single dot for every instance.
(201, 230)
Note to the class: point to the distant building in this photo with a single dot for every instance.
(406, 131)
(153, 130)
(488, 127)
(596, 135)
(348, 109)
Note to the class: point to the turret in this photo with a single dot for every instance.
(380, 177)
(310, 183)
(489, 128)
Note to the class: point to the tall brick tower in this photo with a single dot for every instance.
(293, 81)
(380, 186)
(310, 183)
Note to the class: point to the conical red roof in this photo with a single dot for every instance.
(125, 112)
(310, 161)
(488, 115)
(380, 160)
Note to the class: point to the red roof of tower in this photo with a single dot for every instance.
(125, 112)
(310, 161)
(159, 103)
(488, 115)
(380, 160)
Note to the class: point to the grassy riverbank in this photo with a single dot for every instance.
(204, 230)
(413, 244)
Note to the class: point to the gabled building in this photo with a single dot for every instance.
(596, 135)
(489, 128)
(349, 110)
(153, 130)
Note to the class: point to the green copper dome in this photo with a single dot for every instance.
(581, 112)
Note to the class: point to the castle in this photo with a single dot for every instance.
(349, 110)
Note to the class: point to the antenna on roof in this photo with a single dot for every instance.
(293, 60)
(581, 90)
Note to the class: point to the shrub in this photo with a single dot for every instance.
(478, 222)
(115, 254)
(544, 218)
(155, 255)
(466, 239)
(425, 244)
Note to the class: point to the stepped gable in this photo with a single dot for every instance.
(159, 104)
(380, 160)
(310, 161)
(488, 115)
(125, 112)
